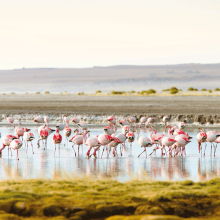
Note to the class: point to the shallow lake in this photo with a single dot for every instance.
(43, 164)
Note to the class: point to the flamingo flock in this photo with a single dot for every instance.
(112, 141)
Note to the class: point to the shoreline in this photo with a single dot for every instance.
(101, 120)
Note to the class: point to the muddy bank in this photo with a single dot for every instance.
(109, 105)
(84, 199)
(95, 119)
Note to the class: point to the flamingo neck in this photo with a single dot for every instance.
(151, 136)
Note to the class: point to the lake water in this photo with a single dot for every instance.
(43, 164)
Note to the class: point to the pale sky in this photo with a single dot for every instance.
(86, 33)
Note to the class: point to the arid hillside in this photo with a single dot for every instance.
(111, 78)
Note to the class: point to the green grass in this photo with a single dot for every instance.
(90, 199)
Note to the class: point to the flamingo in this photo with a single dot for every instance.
(15, 145)
(166, 141)
(20, 131)
(150, 121)
(132, 120)
(114, 144)
(143, 121)
(39, 120)
(181, 142)
(6, 142)
(43, 136)
(66, 120)
(75, 120)
(130, 138)
(10, 120)
(165, 120)
(29, 137)
(125, 129)
(111, 120)
(123, 123)
(211, 137)
(67, 132)
(104, 139)
(92, 143)
(46, 119)
(57, 139)
(84, 126)
(109, 130)
(61, 126)
(144, 142)
(182, 125)
(78, 139)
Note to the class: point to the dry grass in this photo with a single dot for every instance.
(90, 199)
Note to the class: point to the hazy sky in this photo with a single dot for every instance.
(85, 33)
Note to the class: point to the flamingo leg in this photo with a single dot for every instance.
(17, 155)
(142, 153)
(74, 150)
(59, 150)
(27, 148)
(55, 150)
(32, 147)
(103, 152)
(205, 148)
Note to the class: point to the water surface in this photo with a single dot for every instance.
(128, 166)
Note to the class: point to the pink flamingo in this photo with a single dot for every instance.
(143, 121)
(43, 136)
(20, 131)
(150, 121)
(111, 120)
(182, 125)
(15, 145)
(61, 126)
(130, 139)
(109, 130)
(113, 144)
(76, 120)
(104, 139)
(166, 141)
(46, 119)
(57, 139)
(6, 142)
(132, 120)
(201, 138)
(39, 120)
(67, 132)
(211, 137)
(180, 144)
(165, 120)
(78, 139)
(29, 137)
(10, 120)
(66, 120)
(144, 142)
(123, 123)
(126, 129)
(92, 143)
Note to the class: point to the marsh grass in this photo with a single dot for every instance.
(74, 197)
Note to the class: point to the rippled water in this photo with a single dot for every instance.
(43, 163)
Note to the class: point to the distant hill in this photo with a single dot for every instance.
(122, 77)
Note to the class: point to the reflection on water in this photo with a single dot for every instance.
(43, 164)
